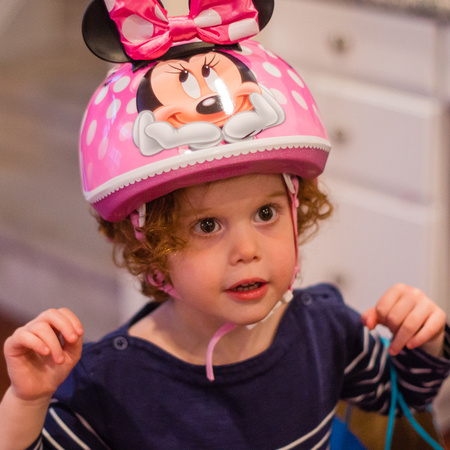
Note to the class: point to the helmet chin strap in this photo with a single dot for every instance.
(157, 280)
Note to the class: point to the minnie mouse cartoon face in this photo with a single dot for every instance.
(201, 101)
(207, 87)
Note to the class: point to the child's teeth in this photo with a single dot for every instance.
(247, 287)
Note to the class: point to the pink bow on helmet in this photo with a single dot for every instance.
(147, 32)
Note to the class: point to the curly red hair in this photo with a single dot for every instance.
(144, 257)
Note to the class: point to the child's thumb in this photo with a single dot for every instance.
(370, 319)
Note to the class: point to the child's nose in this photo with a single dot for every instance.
(245, 246)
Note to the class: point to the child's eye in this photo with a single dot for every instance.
(266, 213)
(207, 226)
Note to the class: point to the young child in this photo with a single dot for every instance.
(201, 159)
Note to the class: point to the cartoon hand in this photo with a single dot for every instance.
(152, 136)
(266, 113)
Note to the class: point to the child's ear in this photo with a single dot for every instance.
(101, 34)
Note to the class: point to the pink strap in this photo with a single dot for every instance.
(138, 221)
(158, 281)
(222, 331)
(147, 32)
(293, 184)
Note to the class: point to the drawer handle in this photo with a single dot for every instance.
(340, 280)
(339, 136)
(340, 44)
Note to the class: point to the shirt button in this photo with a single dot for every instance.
(120, 343)
(306, 299)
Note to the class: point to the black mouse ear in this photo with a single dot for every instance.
(265, 11)
(101, 35)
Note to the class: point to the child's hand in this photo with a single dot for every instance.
(412, 317)
(41, 354)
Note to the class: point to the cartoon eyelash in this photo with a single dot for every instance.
(178, 69)
(210, 63)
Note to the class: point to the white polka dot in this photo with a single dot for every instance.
(83, 120)
(244, 50)
(159, 14)
(121, 84)
(126, 132)
(299, 99)
(101, 95)
(91, 132)
(113, 109)
(272, 55)
(317, 113)
(281, 99)
(137, 29)
(110, 4)
(208, 18)
(270, 68)
(131, 107)
(243, 29)
(296, 78)
(103, 147)
(135, 84)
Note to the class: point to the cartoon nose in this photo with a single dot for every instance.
(210, 105)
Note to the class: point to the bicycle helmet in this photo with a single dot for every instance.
(194, 100)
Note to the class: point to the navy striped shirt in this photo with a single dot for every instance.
(126, 393)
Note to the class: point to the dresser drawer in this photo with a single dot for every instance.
(445, 62)
(366, 43)
(373, 241)
(382, 139)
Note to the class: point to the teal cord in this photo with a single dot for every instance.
(394, 399)
(422, 433)
(397, 397)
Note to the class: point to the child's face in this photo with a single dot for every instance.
(240, 256)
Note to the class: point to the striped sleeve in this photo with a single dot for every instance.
(65, 429)
(367, 380)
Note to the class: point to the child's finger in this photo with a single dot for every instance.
(395, 303)
(434, 326)
(399, 312)
(46, 333)
(38, 337)
(22, 340)
(388, 300)
(416, 320)
(63, 322)
(78, 327)
(369, 318)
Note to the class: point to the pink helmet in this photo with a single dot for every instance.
(199, 112)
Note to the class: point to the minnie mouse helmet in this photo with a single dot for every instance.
(193, 101)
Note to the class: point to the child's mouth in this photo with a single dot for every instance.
(247, 287)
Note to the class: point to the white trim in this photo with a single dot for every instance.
(47, 436)
(321, 442)
(363, 353)
(85, 423)
(312, 432)
(67, 430)
(201, 156)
